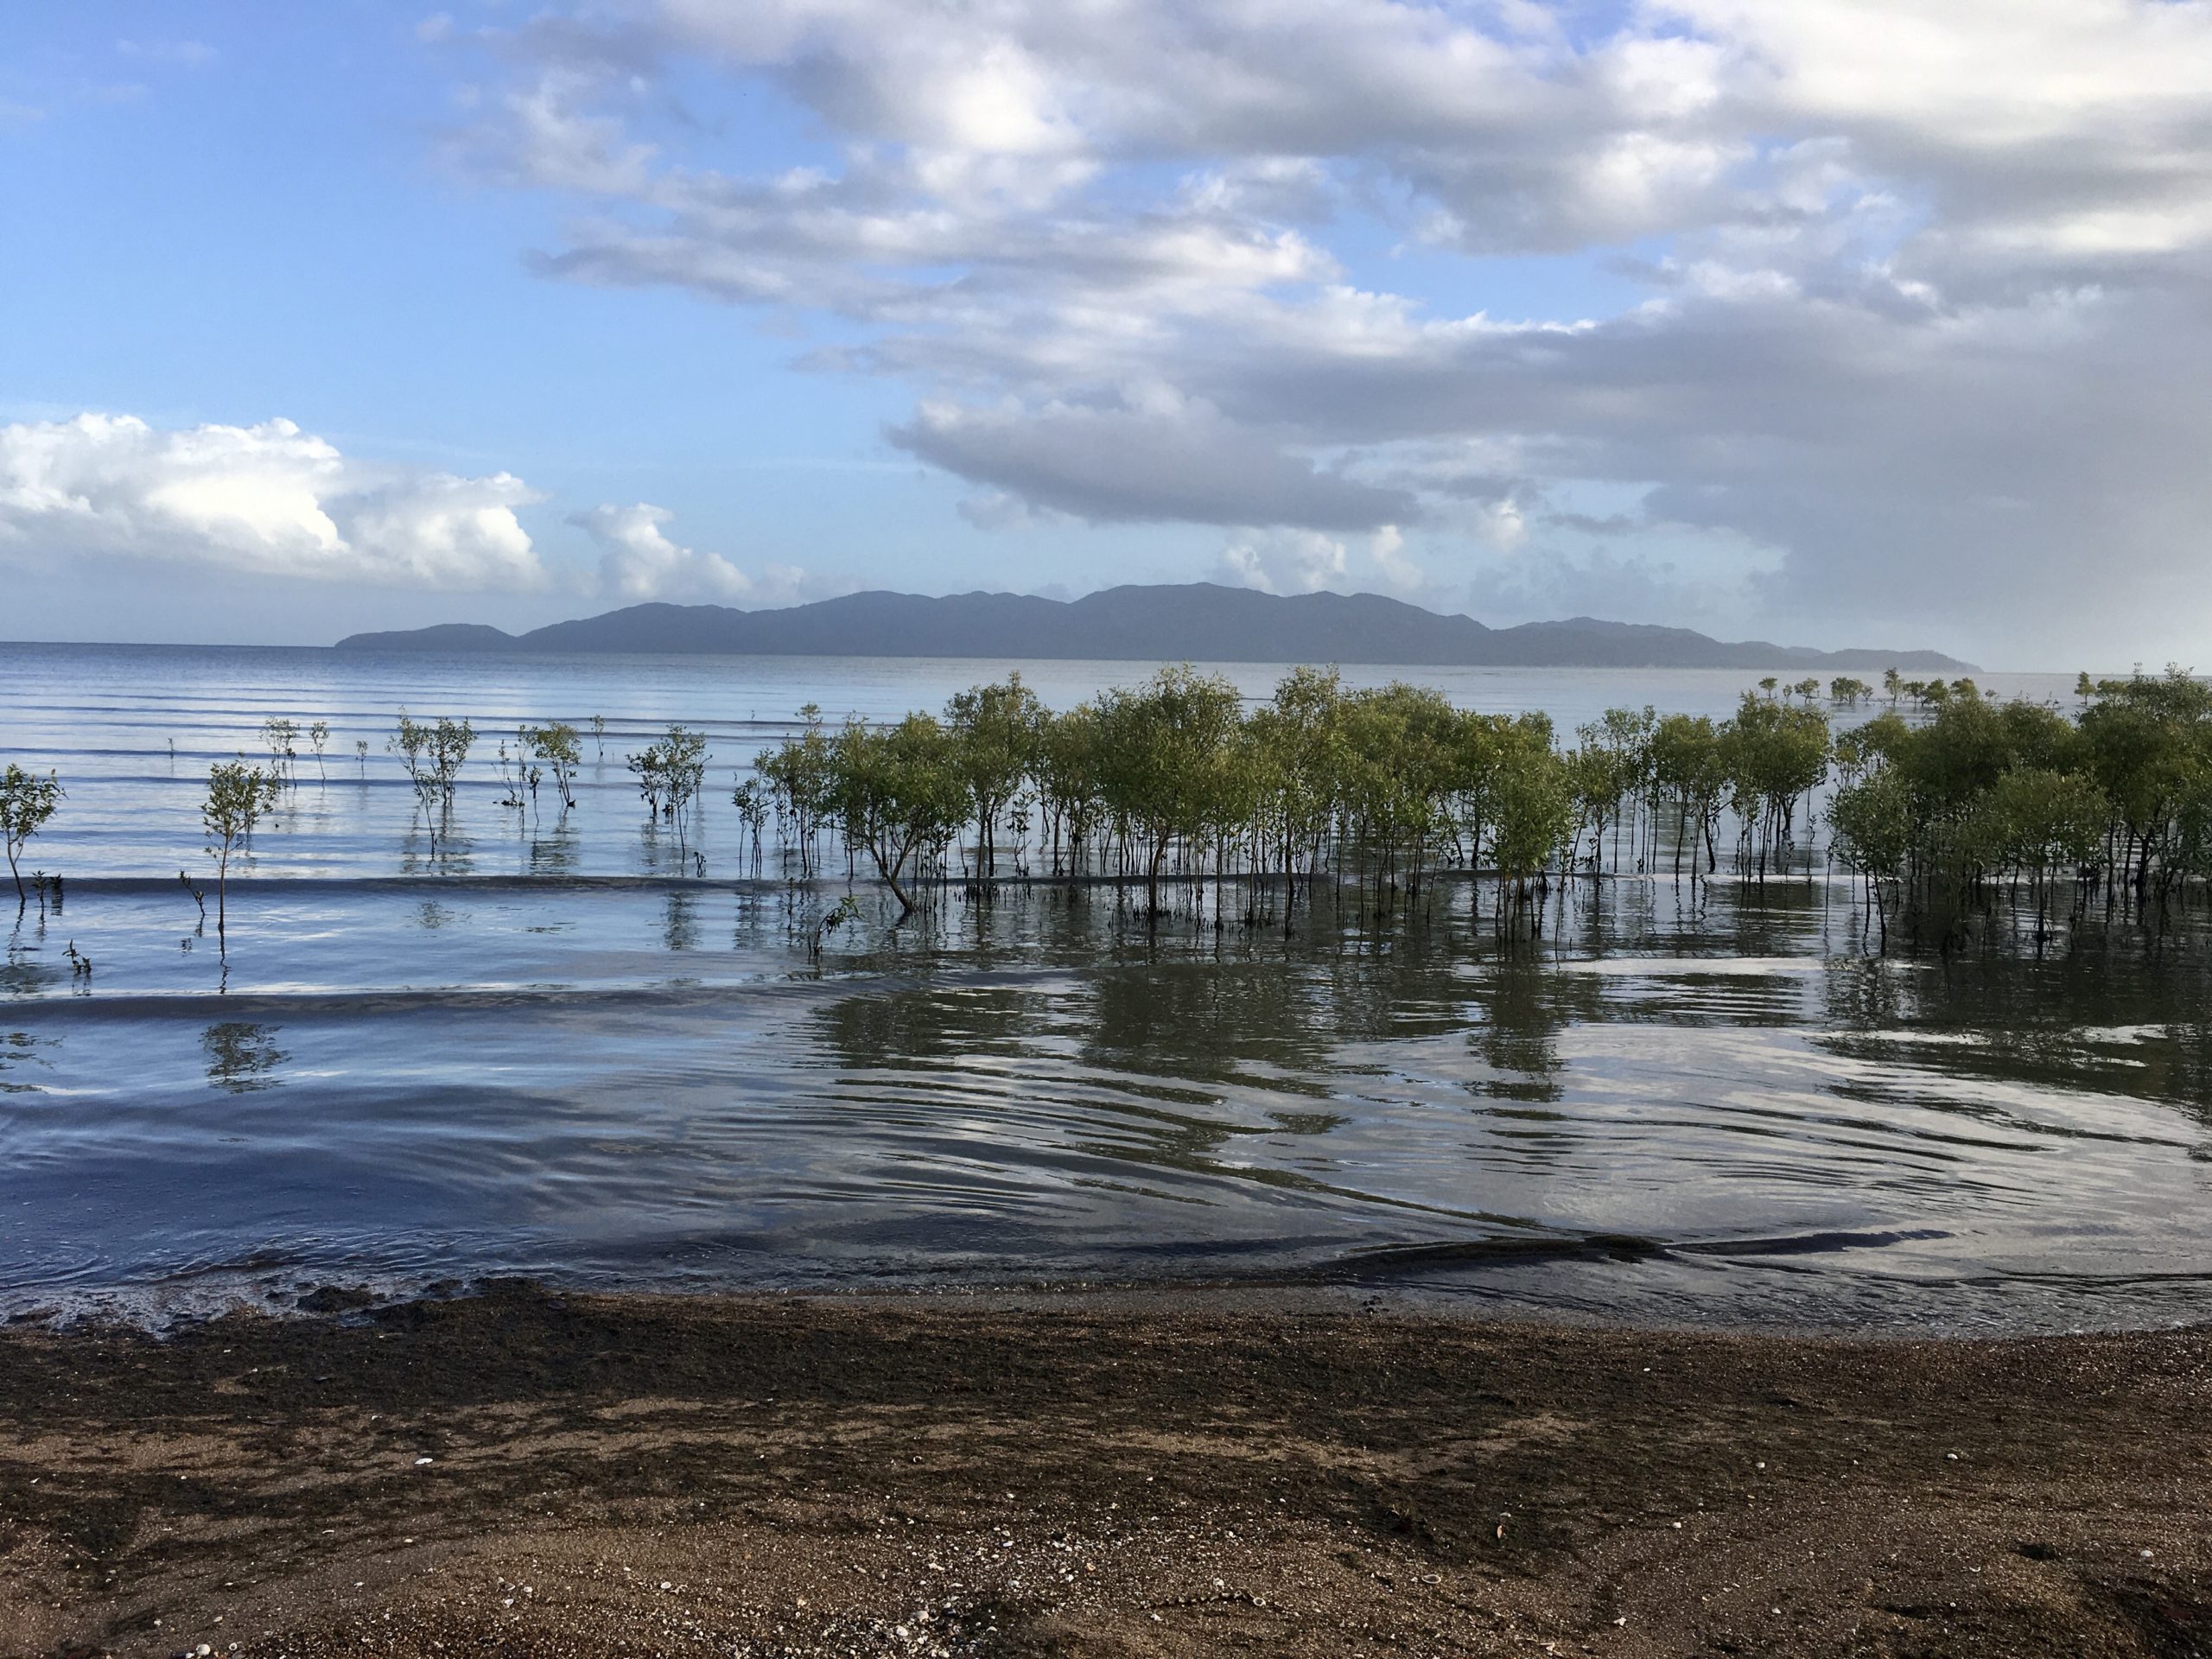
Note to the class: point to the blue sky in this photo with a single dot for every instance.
(351, 315)
(272, 231)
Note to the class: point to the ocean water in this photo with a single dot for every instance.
(558, 1048)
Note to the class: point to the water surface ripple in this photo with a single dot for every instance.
(551, 1051)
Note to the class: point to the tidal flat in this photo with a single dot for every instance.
(1316, 1473)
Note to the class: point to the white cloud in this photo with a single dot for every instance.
(1395, 570)
(638, 562)
(266, 500)
(1284, 560)
(1926, 304)
(1305, 562)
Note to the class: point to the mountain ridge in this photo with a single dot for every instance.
(1177, 622)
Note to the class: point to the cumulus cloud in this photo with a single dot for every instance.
(638, 562)
(1282, 560)
(1920, 289)
(266, 500)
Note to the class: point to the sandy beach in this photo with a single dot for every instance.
(1172, 1474)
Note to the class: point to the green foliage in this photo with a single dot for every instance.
(1162, 750)
(1532, 810)
(1068, 782)
(1871, 824)
(1173, 780)
(238, 797)
(278, 736)
(1690, 769)
(995, 731)
(1773, 756)
(1982, 792)
(27, 801)
(897, 790)
(434, 754)
(671, 771)
(555, 746)
(798, 775)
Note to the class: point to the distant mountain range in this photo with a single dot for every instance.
(1193, 622)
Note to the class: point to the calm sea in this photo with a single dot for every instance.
(558, 1049)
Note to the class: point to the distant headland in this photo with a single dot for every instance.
(1192, 622)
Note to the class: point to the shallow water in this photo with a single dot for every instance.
(548, 1052)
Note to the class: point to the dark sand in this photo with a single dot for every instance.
(1174, 1473)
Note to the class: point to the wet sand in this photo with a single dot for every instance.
(1175, 1473)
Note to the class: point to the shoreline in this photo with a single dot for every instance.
(1091, 1472)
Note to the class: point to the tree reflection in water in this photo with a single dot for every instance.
(680, 923)
(242, 1057)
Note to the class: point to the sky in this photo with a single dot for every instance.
(1880, 323)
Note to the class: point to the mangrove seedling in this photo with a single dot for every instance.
(278, 732)
(319, 734)
(669, 775)
(847, 909)
(199, 898)
(433, 754)
(513, 773)
(237, 797)
(27, 801)
(751, 803)
(554, 744)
